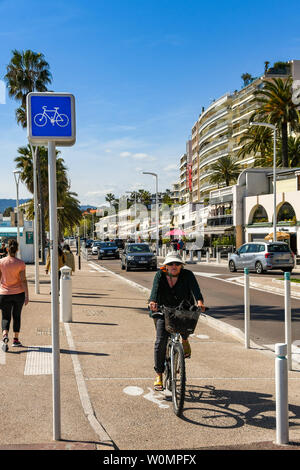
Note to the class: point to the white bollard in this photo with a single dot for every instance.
(288, 319)
(199, 255)
(191, 256)
(65, 295)
(184, 256)
(207, 257)
(281, 383)
(218, 257)
(246, 308)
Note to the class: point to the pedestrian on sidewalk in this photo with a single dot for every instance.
(61, 263)
(69, 257)
(13, 293)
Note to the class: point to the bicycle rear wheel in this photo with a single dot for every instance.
(178, 379)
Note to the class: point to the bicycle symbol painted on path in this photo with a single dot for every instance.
(53, 116)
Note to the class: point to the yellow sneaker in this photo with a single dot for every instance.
(158, 386)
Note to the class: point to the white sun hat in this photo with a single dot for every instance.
(173, 257)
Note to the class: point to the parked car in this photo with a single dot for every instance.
(262, 257)
(107, 250)
(95, 247)
(138, 255)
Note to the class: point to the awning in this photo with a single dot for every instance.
(279, 236)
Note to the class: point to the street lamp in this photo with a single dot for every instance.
(17, 175)
(157, 208)
(271, 126)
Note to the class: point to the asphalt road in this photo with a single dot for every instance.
(226, 300)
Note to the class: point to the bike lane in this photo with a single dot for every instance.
(230, 397)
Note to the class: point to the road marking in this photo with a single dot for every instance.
(38, 361)
(83, 392)
(133, 391)
(151, 395)
(206, 274)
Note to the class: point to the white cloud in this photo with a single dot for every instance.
(125, 154)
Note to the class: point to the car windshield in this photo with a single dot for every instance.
(278, 248)
(108, 245)
(96, 243)
(138, 249)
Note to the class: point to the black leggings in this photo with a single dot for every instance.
(11, 305)
(160, 346)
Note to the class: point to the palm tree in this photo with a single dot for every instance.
(257, 139)
(110, 198)
(226, 169)
(71, 214)
(294, 151)
(28, 71)
(277, 108)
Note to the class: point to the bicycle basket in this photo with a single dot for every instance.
(180, 321)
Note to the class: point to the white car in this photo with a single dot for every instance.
(95, 247)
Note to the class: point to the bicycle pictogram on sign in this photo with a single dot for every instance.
(53, 116)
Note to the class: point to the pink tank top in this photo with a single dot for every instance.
(10, 269)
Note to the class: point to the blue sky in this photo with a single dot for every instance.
(140, 72)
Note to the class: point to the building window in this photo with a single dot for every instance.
(286, 213)
(260, 215)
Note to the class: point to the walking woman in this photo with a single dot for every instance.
(13, 293)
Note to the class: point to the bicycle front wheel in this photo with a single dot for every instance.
(178, 379)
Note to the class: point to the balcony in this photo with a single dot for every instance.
(212, 158)
(215, 143)
(217, 115)
(215, 131)
(221, 220)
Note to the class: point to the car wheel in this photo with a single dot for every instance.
(122, 266)
(99, 257)
(127, 268)
(232, 267)
(259, 268)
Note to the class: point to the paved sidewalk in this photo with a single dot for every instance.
(106, 370)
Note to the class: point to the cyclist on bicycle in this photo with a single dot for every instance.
(172, 284)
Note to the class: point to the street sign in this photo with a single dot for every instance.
(51, 118)
(51, 121)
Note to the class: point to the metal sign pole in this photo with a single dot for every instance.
(54, 289)
(35, 222)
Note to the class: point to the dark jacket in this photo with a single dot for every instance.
(186, 288)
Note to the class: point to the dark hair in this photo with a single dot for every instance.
(66, 247)
(12, 247)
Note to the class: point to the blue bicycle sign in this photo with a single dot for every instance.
(53, 115)
(51, 118)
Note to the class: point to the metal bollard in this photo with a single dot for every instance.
(207, 257)
(218, 257)
(65, 295)
(247, 308)
(199, 255)
(281, 383)
(288, 319)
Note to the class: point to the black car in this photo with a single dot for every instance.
(138, 255)
(107, 250)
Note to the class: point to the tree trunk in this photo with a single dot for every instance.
(284, 137)
(42, 207)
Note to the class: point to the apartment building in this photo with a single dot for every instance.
(218, 132)
(185, 178)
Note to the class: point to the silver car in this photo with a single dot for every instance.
(262, 256)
